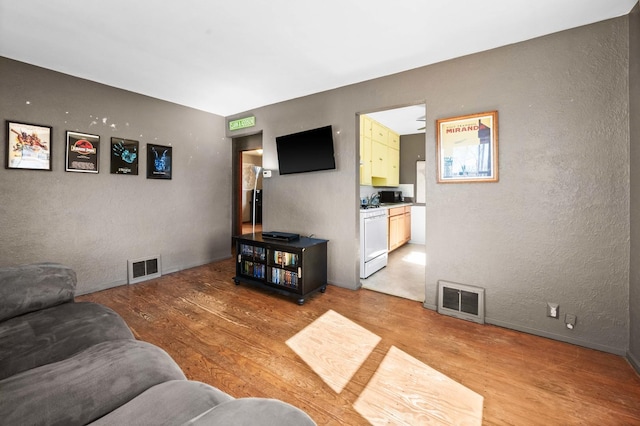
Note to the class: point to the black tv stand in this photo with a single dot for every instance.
(294, 268)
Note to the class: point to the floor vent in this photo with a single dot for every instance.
(461, 301)
(144, 269)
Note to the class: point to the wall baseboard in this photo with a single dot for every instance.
(560, 338)
(430, 306)
(118, 283)
(635, 363)
(616, 351)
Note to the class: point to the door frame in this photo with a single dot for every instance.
(240, 144)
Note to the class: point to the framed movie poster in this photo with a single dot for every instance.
(28, 146)
(124, 156)
(83, 152)
(159, 161)
(467, 148)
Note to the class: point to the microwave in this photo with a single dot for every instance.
(391, 197)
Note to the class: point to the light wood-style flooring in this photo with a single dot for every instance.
(404, 275)
(234, 338)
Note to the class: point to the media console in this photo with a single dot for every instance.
(296, 267)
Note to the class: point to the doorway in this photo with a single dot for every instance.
(404, 275)
(247, 184)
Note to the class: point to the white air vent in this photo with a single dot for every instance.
(461, 301)
(144, 269)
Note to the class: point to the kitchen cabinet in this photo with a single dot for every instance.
(407, 224)
(294, 268)
(394, 140)
(379, 154)
(399, 226)
(379, 160)
(379, 133)
(393, 167)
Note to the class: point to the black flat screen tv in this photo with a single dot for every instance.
(308, 151)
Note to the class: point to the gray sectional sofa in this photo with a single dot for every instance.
(77, 363)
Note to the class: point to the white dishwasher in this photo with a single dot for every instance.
(373, 240)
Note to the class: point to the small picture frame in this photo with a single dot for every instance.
(28, 146)
(124, 156)
(467, 148)
(159, 161)
(83, 152)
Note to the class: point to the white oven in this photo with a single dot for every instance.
(373, 240)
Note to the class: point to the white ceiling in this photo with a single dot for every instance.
(407, 120)
(228, 57)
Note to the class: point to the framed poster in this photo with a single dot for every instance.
(124, 156)
(159, 161)
(28, 146)
(467, 148)
(83, 152)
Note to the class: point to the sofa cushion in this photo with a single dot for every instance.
(28, 288)
(86, 386)
(53, 334)
(169, 403)
(253, 412)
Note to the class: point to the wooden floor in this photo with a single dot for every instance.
(233, 337)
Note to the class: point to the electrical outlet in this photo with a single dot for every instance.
(570, 320)
(553, 310)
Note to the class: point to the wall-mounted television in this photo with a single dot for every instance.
(308, 151)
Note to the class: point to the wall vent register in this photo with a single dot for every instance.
(143, 269)
(461, 301)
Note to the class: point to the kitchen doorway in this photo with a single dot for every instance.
(404, 274)
(247, 184)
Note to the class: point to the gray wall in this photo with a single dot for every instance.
(412, 149)
(556, 226)
(95, 222)
(634, 113)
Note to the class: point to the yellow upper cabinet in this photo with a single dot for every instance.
(379, 133)
(379, 159)
(393, 167)
(365, 150)
(379, 154)
(393, 140)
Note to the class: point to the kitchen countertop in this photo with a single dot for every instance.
(392, 205)
(388, 206)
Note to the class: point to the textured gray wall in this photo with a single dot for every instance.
(556, 226)
(412, 149)
(634, 113)
(95, 222)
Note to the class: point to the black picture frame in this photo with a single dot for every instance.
(124, 156)
(82, 153)
(159, 161)
(28, 146)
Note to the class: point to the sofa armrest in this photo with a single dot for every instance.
(29, 288)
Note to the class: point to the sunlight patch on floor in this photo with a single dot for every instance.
(405, 391)
(416, 257)
(334, 347)
(402, 391)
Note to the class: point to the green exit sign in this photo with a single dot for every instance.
(242, 123)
